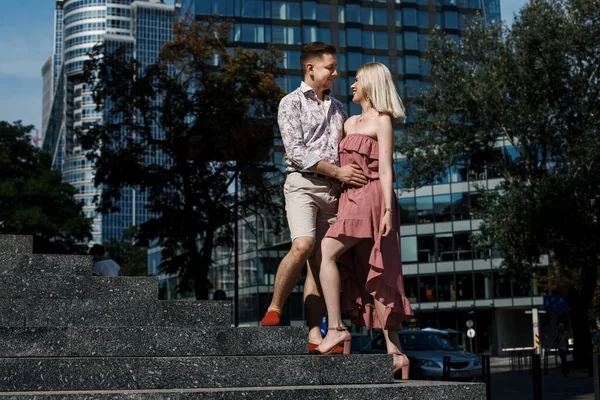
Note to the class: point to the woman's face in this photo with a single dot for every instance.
(358, 93)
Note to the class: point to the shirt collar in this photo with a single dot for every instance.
(307, 89)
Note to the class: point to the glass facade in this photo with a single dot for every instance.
(80, 25)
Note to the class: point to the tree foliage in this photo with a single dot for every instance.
(132, 259)
(533, 88)
(184, 131)
(33, 198)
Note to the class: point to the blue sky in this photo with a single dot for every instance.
(26, 29)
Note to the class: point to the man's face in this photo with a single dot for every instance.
(322, 71)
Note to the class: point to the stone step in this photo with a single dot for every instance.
(36, 264)
(50, 286)
(152, 341)
(16, 244)
(112, 313)
(388, 391)
(123, 373)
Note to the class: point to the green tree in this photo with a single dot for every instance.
(209, 114)
(132, 259)
(33, 198)
(534, 88)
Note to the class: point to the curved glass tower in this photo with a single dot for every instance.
(80, 26)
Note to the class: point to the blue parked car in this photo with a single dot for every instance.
(426, 350)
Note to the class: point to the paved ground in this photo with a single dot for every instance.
(507, 385)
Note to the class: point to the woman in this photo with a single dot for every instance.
(365, 237)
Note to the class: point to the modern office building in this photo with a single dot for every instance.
(142, 26)
(446, 279)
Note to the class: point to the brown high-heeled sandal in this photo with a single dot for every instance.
(403, 364)
(345, 343)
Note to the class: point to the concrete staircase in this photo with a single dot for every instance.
(67, 335)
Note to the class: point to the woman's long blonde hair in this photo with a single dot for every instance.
(376, 81)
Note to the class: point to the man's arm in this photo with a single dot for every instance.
(350, 174)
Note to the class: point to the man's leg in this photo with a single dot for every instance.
(287, 275)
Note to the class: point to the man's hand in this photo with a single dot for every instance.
(352, 175)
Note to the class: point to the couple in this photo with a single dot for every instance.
(328, 153)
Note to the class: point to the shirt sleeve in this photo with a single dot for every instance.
(290, 127)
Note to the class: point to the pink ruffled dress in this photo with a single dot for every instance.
(359, 216)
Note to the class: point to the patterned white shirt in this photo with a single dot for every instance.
(311, 129)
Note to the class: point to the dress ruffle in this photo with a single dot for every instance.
(359, 216)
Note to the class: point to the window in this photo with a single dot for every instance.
(310, 33)
(380, 16)
(408, 249)
(425, 209)
(423, 19)
(501, 285)
(400, 65)
(324, 35)
(450, 20)
(341, 15)
(411, 40)
(352, 13)
(446, 287)
(411, 288)
(426, 246)
(399, 42)
(423, 42)
(483, 285)
(286, 34)
(412, 64)
(427, 288)
(285, 10)
(252, 9)
(460, 206)
(408, 211)
(443, 244)
(442, 208)
(409, 17)
(354, 61)
(464, 286)
(342, 38)
(323, 12)
(354, 37)
(309, 10)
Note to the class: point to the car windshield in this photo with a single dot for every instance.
(428, 341)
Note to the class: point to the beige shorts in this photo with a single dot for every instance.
(311, 204)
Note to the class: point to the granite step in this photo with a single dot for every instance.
(17, 244)
(152, 341)
(129, 373)
(112, 313)
(389, 391)
(35, 264)
(50, 286)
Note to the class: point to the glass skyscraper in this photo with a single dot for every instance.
(142, 26)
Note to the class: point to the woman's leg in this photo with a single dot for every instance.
(392, 340)
(331, 250)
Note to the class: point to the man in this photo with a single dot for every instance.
(311, 125)
(103, 266)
